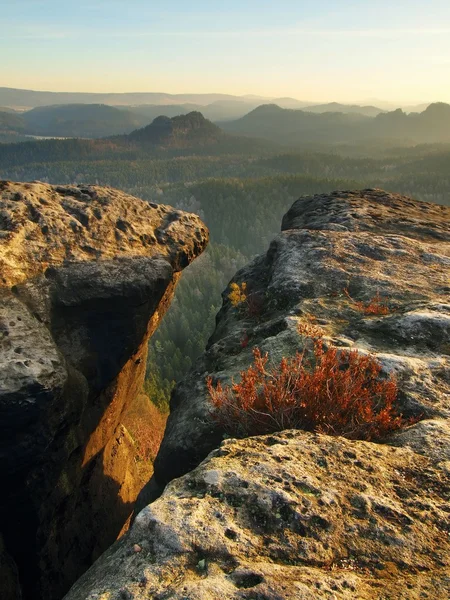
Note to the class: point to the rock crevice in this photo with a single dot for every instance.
(295, 514)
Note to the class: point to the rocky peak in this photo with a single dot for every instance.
(334, 251)
(438, 110)
(178, 131)
(296, 514)
(86, 274)
(44, 226)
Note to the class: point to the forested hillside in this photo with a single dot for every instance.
(240, 187)
(299, 127)
(81, 120)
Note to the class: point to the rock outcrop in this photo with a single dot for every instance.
(288, 516)
(86, 274)
(334, 251)
(295, 514)
(182, 131)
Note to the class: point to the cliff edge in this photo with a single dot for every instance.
(86, 274)
(304, 515)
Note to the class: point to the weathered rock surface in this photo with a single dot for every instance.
(334, 250)
(300, 515)
(288, 516)
(86, 273)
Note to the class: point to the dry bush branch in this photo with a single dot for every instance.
(337, 392)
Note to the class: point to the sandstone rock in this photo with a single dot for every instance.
(10, 585)
(86, 274)
(299, 515)
(287, 516)
(312, 271)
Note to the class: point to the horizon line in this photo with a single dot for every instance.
(249, 96)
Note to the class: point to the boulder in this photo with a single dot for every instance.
(288, 516)
(86, 274)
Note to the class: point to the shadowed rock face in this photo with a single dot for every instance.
(299, 515)
(86, 274)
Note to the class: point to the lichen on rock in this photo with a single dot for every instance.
(287, 516)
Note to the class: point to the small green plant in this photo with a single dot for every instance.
(336, 392)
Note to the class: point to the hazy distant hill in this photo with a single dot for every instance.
(81, 120)
(295, 126)
(12, 97)
(227, 110)
(289, 103)
(431, 125)
(368, 111)
(220, 110)
(416, 107)
(11, 122)
(151, 111)
(298, 127)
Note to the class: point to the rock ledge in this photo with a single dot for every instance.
(86, 275)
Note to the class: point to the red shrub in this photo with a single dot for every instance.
(308, 328)
(375, 306)
(337, 392)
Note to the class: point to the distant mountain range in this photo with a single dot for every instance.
(17, 98)
(284, 120)
(299, 127)
(164, 137)
(271, 123)
(101, 120)
(20, 99)
(368, 111)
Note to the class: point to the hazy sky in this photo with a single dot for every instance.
(312, 50)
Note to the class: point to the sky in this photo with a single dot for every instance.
(320, 50)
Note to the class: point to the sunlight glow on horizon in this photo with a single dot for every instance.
(328, 50)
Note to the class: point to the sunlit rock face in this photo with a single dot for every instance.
(334, 250)
(297, 514)
(290, 515)
(86, 274)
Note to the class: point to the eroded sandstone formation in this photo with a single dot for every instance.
(300, 515)
(86, 274)
(288, 516)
